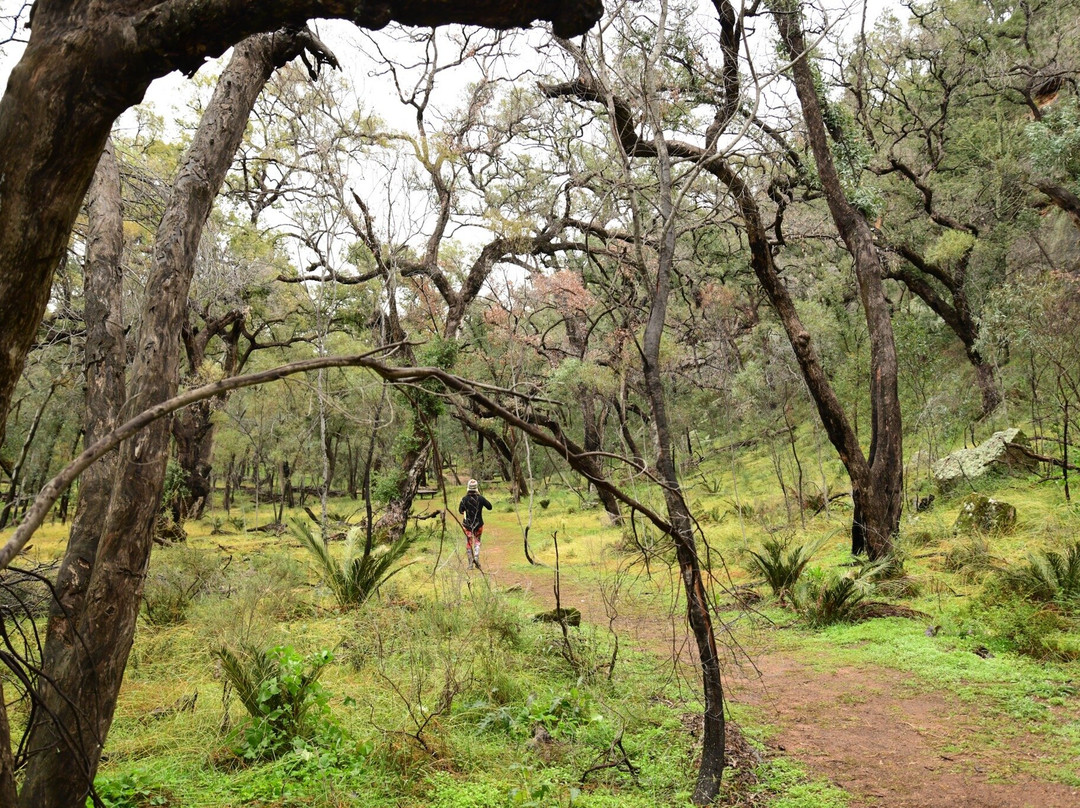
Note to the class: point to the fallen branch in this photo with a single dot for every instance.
(1042, 458)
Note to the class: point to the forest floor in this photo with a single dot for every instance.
(867, 729)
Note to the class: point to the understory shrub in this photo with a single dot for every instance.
(971, 560)
(1006, 621)
(781, 564)
(1048, 576)
(358, 576)
(826, 598)
(178, 576)
(561, 715)
(283, 696)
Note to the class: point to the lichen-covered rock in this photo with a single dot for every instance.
(997, 453)
(982, 514)
(571, 615)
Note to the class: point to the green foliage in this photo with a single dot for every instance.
(387, 484)
(971, 559)
(178, 576)
(1033, 629)
(129, 790)
(781, 563)
(176, 486)
(1054, 141)
(1048, 576)
(282, 694)
(562, 715)
(439, 352)
(826, 598)
(359, 575)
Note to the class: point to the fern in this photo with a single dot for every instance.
(359, 575)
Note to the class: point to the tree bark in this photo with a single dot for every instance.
(88, 62)
(87, 647)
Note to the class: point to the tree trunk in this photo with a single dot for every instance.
(87, 651)
(881, 522)
(226, 497)
(682, 529)
(16, 472)
(193, 433)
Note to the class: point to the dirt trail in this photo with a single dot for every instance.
(862, 729)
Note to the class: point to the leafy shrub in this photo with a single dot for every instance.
(282, 694)
(562, 715)
(1012, 623)
(179, 575)
(1048, 576)
(782, 564)
(129, 790)
(357, 577)
(889, 576)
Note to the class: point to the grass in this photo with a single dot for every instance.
(420, 668)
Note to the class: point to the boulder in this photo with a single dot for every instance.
(571, 615)
(981, 514)
(996, 454)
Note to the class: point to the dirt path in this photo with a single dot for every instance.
(862, 729)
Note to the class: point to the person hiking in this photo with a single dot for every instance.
(472, 505)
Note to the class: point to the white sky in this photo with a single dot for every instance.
(170, 96)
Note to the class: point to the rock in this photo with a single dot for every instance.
(981, 514)
(992, 455)
(571, 615)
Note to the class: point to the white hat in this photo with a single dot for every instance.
(473, 485)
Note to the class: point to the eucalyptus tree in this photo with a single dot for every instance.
(736, 141)
(944, 104)
(424, 210)
(100, 580)
(83, 66)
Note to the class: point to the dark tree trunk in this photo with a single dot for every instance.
(577, 336)
(86, 651)
(883, 481)
(226, 497)
(193, 433)
(16, 473)
(105, 357)
(8, 793)
(955, 314)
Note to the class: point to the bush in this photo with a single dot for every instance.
(971, 560)
(827, 598)
(781, 564)
(1011, 623)
(282, 694)
(1048, 576)
(357, 577)
(127, 791)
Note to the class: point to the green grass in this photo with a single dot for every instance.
(432, 630)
